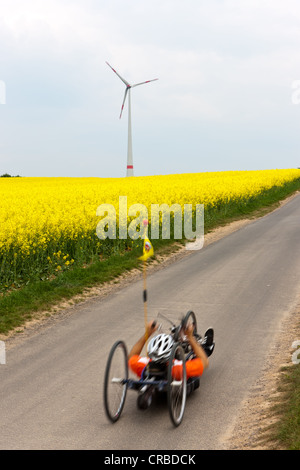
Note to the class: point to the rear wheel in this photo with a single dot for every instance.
(176, 389)
(116, 381)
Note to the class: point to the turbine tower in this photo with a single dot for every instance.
(128, 92)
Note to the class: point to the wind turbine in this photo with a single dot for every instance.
(127, 92)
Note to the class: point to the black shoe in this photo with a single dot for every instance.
(208, 338)
(208, 342)
(209, 350)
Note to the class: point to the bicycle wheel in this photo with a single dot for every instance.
(116, 381)
(190, 319)
(176, 389)
(179, 335)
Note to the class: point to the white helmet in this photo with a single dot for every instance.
(159, 347)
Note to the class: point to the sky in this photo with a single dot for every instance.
(227, 95)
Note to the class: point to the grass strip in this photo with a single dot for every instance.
(289, 427)
(284, 434)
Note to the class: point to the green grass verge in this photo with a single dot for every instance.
(284, 434)
(18, 306)
(289, 425)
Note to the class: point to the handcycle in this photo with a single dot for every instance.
(157, 376)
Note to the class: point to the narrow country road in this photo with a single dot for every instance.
(242, 285)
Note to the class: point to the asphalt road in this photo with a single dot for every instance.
(242, 285)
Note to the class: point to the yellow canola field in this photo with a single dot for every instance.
(48, 223)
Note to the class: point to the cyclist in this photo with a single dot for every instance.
(159, 350)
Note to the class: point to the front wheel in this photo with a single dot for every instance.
(116, 381)
(190, 319)
(176, 389)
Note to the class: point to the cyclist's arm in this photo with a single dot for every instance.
(137, 348)
(197, 348)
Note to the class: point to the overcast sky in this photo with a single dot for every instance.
(224, 99)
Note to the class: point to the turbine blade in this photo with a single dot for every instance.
(123, 79)
(142, 83)
(126, 91)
